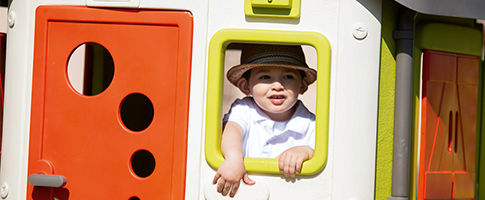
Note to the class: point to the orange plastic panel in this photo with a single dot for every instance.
(448, 129)
(437, 184)
(82, 137)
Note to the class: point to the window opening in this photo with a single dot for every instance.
(90, 69)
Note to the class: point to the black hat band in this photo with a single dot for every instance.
(276, 58)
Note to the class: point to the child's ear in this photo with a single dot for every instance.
(304, 87)
(243, 85)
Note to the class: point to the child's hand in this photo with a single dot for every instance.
(290, 161)
(230, 173)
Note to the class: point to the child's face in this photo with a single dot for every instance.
(275, 90)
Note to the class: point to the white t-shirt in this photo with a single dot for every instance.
(265, 138)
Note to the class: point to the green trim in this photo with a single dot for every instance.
(449, 38)
(385, 129)
(440, 37)
(217, 47)
(480, 156)
(274, 8)
(413, 189)
(445, 20)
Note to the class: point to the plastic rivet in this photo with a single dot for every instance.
(11, 19)
(4, 190)
(359, 31)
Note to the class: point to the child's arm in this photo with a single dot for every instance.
(290, 161)
(232, 169)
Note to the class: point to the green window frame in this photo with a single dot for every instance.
(215, 77)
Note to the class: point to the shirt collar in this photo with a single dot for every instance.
(300, 119)
(298, 123)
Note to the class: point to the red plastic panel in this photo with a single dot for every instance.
(439, 185)
(448, 127)
(464, 183)
(82, 137)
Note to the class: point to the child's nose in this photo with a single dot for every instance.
(277, 85)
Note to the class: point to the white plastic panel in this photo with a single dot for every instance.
(350, 170)
(113, 3)
(254, 192)
(356, 101)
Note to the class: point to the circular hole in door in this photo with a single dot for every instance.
(134, 198)
(136, 112)
(90, 68)
(142, 163)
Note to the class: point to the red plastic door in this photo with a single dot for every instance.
(448, 127)
(84, 138)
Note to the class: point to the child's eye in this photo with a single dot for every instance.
(289, 77)
(264, 77)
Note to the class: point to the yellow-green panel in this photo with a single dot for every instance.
(215, 76)
(385, 128)
(448, 38)
(272, 8)
(284, 4)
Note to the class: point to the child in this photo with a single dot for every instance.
(270, 122)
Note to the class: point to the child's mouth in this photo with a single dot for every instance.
(277, 99)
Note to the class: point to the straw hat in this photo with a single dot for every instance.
(290, 57)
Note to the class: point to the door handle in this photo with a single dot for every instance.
(47, 180)
(456, 131)
(450, 132)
